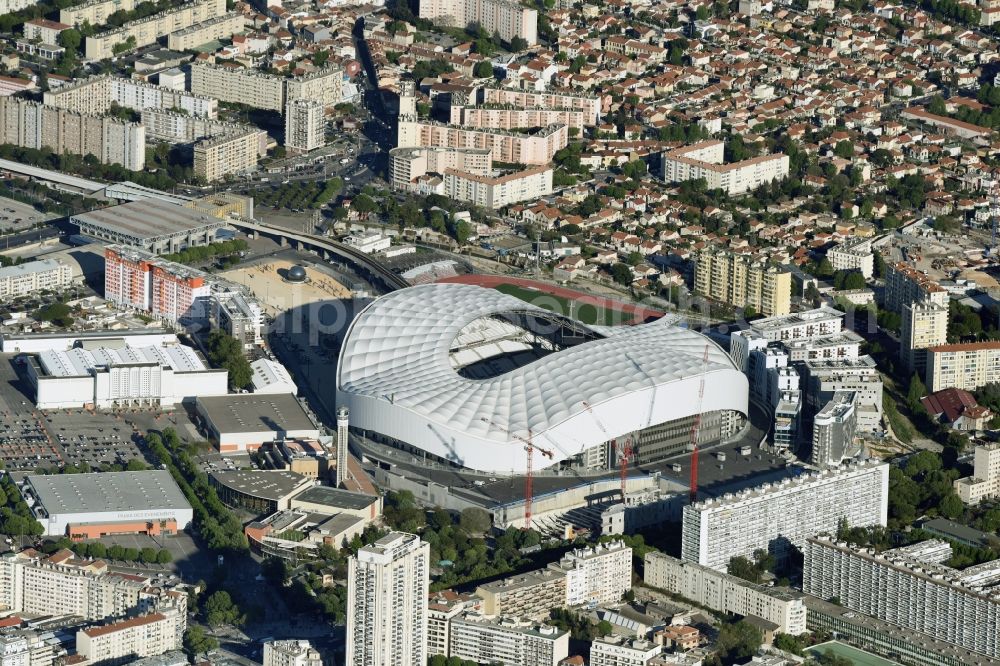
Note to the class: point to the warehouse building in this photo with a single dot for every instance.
(155, 226)
(107, 375)
(244, 422)
(89, 506)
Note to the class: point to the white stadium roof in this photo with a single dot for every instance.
(448, 369)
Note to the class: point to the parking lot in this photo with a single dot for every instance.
(187, 560)
(16, 216)
(31, 439)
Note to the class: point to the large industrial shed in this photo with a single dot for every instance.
(93, 505)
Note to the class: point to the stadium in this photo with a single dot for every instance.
(467, 375)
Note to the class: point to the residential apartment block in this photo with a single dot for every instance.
(61, 584)
(387, 584)
(442, 608)
(910, 587)
(589, 105)
(305, 125)
(218, 27)
(806, 325)
(985, 480)
(742, 281)
(32, 125)
(234, 153)
(834, 428)
(599, 574)
(409, 166)
(123, 641)
(822, 379)
(853, 255)
(96, 94)
(924, 325)
(464, 115)
(905, 284)
(174, 127)
(506, 641)
(966, 366)
(495, 192)
(232, 82)
(507, 18)
(32, 277)
(291, 653)
(722, 592)
(535, 148)
(95, 12)
(148, 30)
(531, 594)
(622, 651)
(706, 160)
(141, 281)
(775, 516)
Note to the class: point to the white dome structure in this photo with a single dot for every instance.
(465, 373)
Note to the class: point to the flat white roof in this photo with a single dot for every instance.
(40, 266)
(77, 362)
(107, 491)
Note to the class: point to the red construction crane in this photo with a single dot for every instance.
(529, 447)
(695, 427)
(626, 452)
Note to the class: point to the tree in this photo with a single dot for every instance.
(483, 70)
(519, 44)
(844, 149)
(916, 391)
(604, 628)
(147, 555)
(164, 556)
(70, 39)
(937, 106)
(951, 506)
(474, 520)
(621, 273)
(196, 641)
(738, 641)
(741, 567)
(220, 610)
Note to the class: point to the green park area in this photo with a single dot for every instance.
(584, 312)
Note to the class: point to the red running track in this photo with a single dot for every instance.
(638, 312)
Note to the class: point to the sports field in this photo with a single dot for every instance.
(852, 654)
(585, 312)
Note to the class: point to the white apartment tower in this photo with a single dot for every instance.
(387, 585)
(985, 480)
(508, 18)
(775, 516)
(305, 125)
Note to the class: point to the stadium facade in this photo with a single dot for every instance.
(466, 374)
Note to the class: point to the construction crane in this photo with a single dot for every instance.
(626, 452)
(529, 447)
(696, 426)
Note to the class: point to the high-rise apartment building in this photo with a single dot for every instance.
(775, 516)
(705, 160)
(985, 480)
(905, 284)
(291, 653)
(166, 290)
(465, 113)
(305, 125)
(743, 282)
(387, 584)
(910, 587)
(722, 592)
(94, 12)
(924, 325)
(834, 428)
(175, 127)
(506, 640)
(507, 18)
(599, 574)
(32, 125)
(123, 641)
(966, 366)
